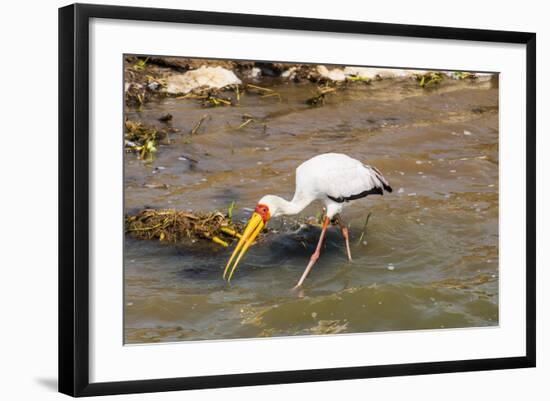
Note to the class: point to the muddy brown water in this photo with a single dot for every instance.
(428, 260)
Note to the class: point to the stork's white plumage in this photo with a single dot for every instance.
(333, 178)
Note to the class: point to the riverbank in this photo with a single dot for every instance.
(148, 78)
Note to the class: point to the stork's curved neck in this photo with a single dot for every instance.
(295, 206)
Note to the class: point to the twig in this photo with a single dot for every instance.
(273, 94)
(245, 123)
(144, 228)
(259, 88)
(364, 228)
(198, 124)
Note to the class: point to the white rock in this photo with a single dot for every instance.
(336, 74)
(203, 77)
(483, 77)
(289, 74)
(382, 73)
(255, 72)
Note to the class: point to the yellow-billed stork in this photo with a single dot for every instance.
(333, 178)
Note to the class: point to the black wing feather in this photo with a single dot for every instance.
(373, 191)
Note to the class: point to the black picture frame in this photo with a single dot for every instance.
(74, 198)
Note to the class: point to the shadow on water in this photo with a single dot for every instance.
(289, 247)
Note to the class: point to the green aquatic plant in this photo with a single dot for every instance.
(429, 79)
(230, 210)
(358, 78)
(140, 64)
(215, 101)
(147, 150)
(141, 139)
(461, 75)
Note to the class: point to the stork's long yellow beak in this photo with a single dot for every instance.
(251, 231)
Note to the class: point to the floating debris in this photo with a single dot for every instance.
(319, 98)
(429, 78)
(156, 186)
(165, 118)
(155, 83)
(461, 75)
(187, 158)
(214, 100)
(142, 81)
(198, 124)
(264, 92)
(329, 327)
(141, 138)
(260, 89)
(175, 226)
(247, 120)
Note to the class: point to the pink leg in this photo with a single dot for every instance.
(345, 234)
(315, 255)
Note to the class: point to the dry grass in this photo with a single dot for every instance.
(178, 226)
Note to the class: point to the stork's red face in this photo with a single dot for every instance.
(263, 211)
(257, 221)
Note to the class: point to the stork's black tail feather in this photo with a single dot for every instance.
(384, 182)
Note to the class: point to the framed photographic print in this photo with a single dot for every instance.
(251, 199)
